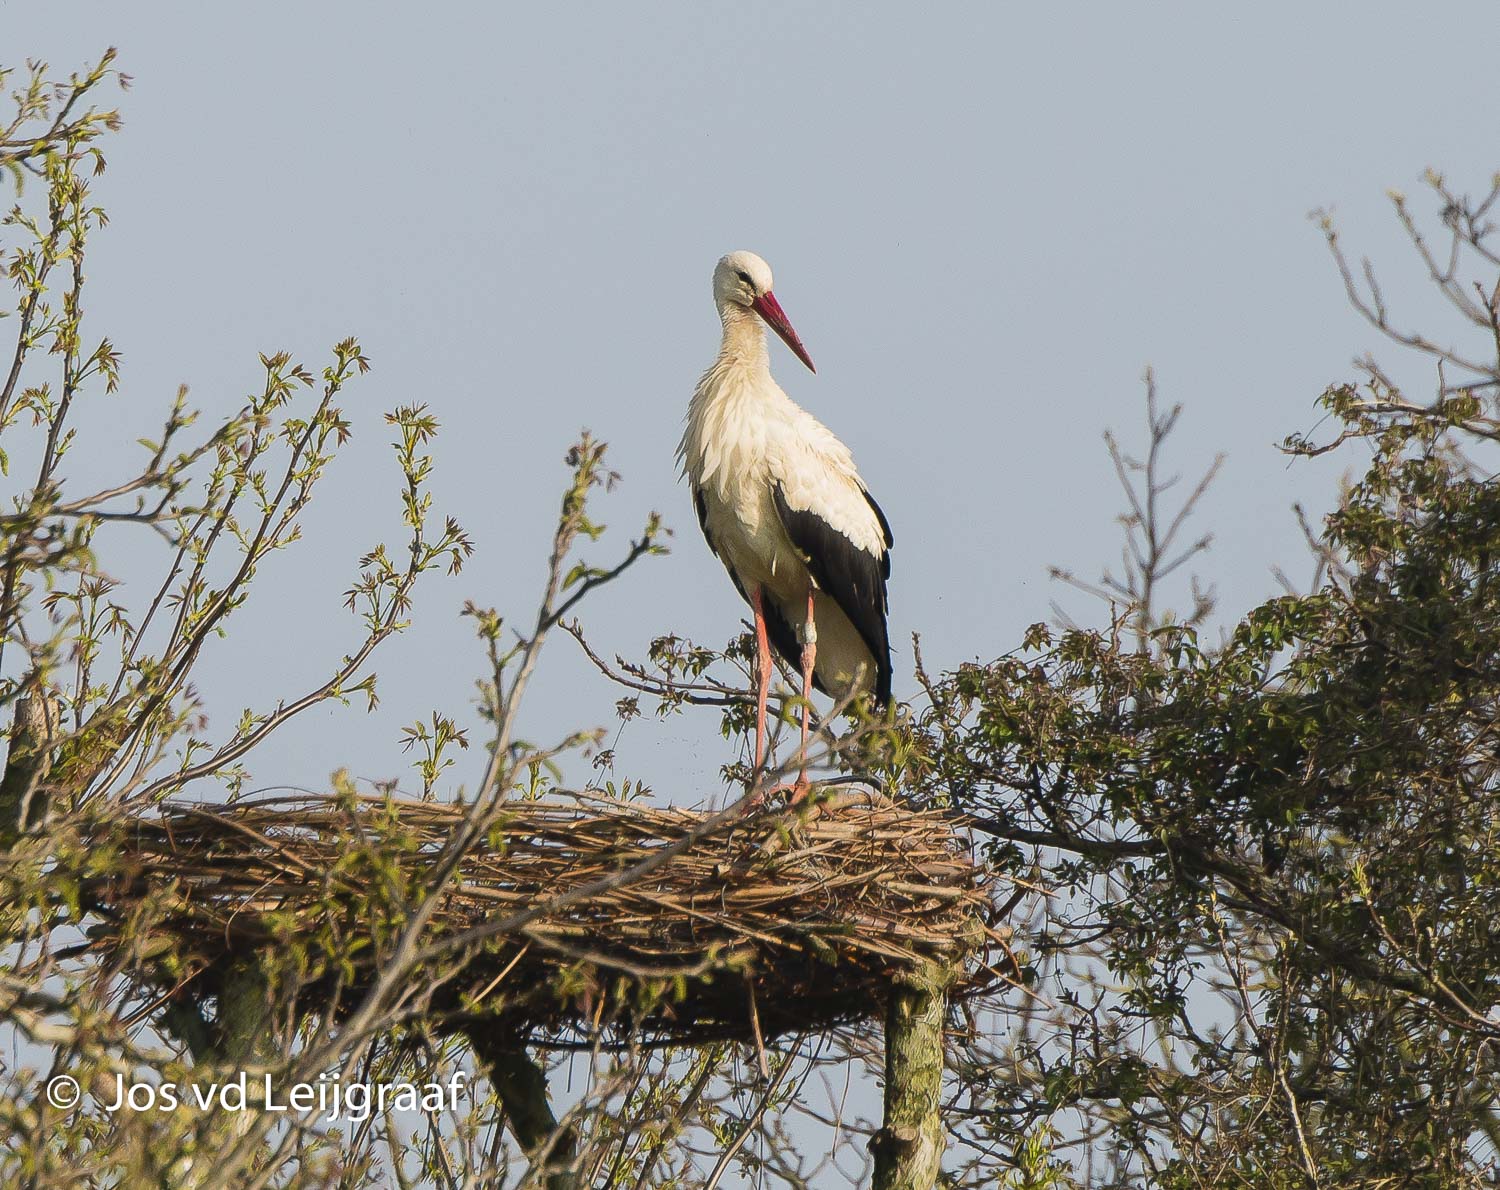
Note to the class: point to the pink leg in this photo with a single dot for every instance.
(762, 679)
(809, 656)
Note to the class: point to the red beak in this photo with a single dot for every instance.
(770, 309)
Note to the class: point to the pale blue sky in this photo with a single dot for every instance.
(984, 221)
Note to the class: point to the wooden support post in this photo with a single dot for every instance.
(244, 1016)
(521, 1087)
(23, 801)
(239, 1037)
(908, 1149)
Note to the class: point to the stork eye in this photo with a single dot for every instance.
(745, 277)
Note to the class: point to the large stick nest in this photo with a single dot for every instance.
(775, 921)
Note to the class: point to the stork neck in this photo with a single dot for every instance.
(744, 341)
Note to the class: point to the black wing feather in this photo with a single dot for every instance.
(854, 577)
(702, 506)
(885, 531)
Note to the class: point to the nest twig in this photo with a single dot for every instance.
(776, 921)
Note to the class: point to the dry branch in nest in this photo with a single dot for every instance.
(773, 921)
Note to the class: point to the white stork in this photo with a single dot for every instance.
(784, 509)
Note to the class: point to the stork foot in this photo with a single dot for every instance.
(797, 791)
(759, 797)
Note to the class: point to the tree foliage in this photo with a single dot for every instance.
(1268, 956)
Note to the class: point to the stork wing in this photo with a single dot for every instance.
(845, 541)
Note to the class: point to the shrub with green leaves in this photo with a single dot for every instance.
(1268, 953)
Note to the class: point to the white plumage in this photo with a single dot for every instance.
(781, 502)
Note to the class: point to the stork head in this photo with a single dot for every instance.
(743, 279)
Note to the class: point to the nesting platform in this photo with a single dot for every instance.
(774, 921)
